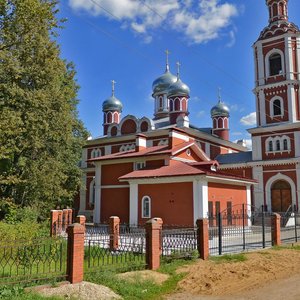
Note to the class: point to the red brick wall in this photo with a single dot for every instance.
(111, 173)
(173, 202)
(115, 202)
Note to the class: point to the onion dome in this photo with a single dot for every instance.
(220, 110)
(112, 103)
(162, 83)
(178, 88)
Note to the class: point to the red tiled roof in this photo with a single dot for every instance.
(155, 150)
(178, 168)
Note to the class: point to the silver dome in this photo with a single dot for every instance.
(162, 83)
(112, 103)
(178, 89)
(220, 110)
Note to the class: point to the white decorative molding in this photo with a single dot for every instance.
(82, 204)
(262, 107)
(298, 181)
(133, 204)
(200, 199)
(279, 176)
(257, 173)
(84, 158)
(272, 115)
(267, 63)
(107, 149)
(297, 143)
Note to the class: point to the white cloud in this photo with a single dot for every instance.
(249, 119)
(199, 20)
(237, 133)
(249, 144)
(200, 113)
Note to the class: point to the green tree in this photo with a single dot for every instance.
(40, 134)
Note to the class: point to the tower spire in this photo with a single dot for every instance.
(178, 70)
(219, 95)
(113, 87)
(167, 60)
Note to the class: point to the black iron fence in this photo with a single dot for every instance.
(290, 227)
(178, 242)
(126, 254)
(26, 261)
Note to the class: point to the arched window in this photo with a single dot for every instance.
(146, 207)
(270, 146)
(285, 144)
(277, 145)
(96, 153)
(92, 192)
(277, 110)
(275, 64)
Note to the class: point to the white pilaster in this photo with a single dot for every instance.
(298, 54)
(200, 199)
(256, 148)
(288, 58)
(133, 204)
(258, 188)
(84, 158)
(292, 103)
(82, 204)
(298, 183)
(107, 149)
(97, 207)
(262, 107)
(297, 143)
(261, 64)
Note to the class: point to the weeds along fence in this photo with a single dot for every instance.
(25, 261)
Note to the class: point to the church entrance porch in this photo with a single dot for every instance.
(281, 196)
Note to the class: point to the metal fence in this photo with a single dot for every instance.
(178, 242)
(290, 227)
(26, 261)
(129, 253)
(240, 230)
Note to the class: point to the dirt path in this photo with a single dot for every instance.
(269, 274)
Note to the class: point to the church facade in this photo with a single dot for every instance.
(167, 167)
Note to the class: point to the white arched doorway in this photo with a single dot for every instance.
(280, 193)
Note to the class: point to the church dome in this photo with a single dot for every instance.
(220, 110)
(178, 88)
(112, 103)
(162, 83)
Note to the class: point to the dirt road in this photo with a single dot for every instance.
(269, 274)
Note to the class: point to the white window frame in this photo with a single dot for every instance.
(92, 194)
(138, 165)
(96, 152)
(267, 62)
(143, 204)
(272, 107)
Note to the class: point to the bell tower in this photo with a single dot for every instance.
(276, 137)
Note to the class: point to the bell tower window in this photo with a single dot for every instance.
(270, 146)
(277, 111)
(275, 64)
(285, 144)
(277, 145)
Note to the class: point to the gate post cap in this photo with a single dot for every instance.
(75, 228)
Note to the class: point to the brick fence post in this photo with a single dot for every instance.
(153, 243)
(114, 229)
(202, 238)
(75, 254)
(81, 220)
(53, 222)
(70, 216)
(276, 241)
(59, 222)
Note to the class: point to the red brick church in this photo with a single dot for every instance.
(167, 167)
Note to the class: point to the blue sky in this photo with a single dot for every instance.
(125, 40)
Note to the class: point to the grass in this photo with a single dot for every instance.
(231, 258)
(140, 289)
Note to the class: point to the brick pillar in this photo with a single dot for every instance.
(276, 241)
(75, 254)
(59, 222)
(114, 228)
(81, 220)
(53, 222)
(202, 238)
(70, 216)
(65, 218)
(153, 243)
